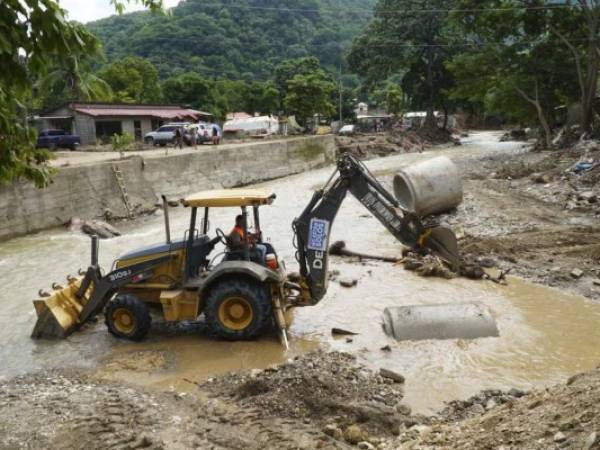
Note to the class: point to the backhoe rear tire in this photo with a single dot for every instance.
(238, 310)
(127, 317)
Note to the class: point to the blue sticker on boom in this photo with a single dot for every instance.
(318, 235)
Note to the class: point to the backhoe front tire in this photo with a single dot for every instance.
(238, 310)
(127, 317)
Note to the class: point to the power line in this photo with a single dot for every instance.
(381, 44)
(390, 11)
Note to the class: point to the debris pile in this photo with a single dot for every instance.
(397, 140)
(561, 417)
(328, 389)
(516, 134)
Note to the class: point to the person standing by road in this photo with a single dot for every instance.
(215, 135)
(194, 135)
(179, 137)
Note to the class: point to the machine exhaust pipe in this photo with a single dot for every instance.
(166, 213)
(94, 251)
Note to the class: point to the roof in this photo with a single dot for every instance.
(171, 112)
(230, 197)
(237, 115)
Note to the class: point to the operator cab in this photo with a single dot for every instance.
(252, 244)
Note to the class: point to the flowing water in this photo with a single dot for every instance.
(545, 335)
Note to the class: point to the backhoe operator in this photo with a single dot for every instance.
(258, 251)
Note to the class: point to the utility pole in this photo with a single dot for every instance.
(341, 116)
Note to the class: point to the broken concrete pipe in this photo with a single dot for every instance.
(445, 321)
(429, 187)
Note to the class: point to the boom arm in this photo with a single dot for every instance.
(313, 227)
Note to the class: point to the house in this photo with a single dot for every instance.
(96, 122)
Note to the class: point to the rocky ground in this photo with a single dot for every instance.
(533, 214)
(369, 145)
(319, 400)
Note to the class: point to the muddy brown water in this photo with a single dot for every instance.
(545, 335)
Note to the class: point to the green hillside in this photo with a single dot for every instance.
(236, 38)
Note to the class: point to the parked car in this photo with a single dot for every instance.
(163, 135)
(202, 134)
(53, 139)
(347, 130)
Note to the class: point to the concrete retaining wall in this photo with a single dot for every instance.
(90, 191)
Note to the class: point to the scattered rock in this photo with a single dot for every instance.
(597, 282)
(333, 431)
(364, 445)
(421, 429)
(560, 437)
(588, 196)
(490, 404)
(348, 282)
(591, 441)
(576, 273)
(386, 348)
(100, 228)
(405, 410)
(354, 434)
(390, 374)
(514, 392)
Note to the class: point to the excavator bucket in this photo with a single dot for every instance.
(58, 313)
(442, 242)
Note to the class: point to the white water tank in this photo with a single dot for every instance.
(429, 187)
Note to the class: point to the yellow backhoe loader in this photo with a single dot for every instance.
(242, 291)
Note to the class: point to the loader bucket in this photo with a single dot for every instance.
(442, 241)
(58, 314)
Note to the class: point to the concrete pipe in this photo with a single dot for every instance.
(447, 321)
(429, 187)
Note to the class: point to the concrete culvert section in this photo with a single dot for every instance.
(429, 187)
(447, 321)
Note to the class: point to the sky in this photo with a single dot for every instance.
(89, 10)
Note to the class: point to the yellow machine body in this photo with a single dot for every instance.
(58, 313)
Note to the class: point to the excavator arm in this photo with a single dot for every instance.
(312, 229)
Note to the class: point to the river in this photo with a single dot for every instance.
(545, 335)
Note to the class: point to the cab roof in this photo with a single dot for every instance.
(230, 197)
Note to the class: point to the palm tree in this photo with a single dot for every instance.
(72, 75)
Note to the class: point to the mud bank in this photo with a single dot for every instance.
(93, 190)
(317, 401)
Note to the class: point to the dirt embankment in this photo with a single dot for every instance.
(317, 401)
(534, 214)
(394, 141)
(320, 400)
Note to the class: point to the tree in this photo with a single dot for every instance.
(586, 57)
(133, 80)
(288, 69)
(408, 37)
(72, 78)
(35, 36)
(310, 94)
(515, 65)
(189, 89)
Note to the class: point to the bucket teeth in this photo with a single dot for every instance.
(70, 278)
(57, 287)
(81, 272)
(43, 293)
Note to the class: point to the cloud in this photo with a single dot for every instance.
(89, 10)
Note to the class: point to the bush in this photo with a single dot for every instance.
(122, 143)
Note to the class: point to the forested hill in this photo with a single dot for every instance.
(236, 38)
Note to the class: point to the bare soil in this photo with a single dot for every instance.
(528, 214)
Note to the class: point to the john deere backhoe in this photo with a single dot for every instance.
(240, 292)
